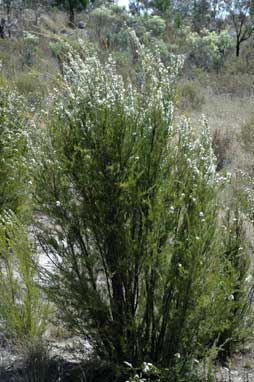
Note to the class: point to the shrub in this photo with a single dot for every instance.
(209, 49)
(23, 312)
(155, 24)
(31, 86)
(13, 147)
(247, 135)
(58, 48)
(36, 363)
(221, 143)
(190, 96)
(105, 24)
(145, 373)
(28, 48)
(141, 267)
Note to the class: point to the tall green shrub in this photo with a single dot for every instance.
(132, 228)
(13, 147)
(23, 312)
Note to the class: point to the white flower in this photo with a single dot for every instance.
(248, 278)
(128, 364)
(58, 203)
(146, 368)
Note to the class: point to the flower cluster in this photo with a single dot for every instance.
(89, 80)
(13, 144)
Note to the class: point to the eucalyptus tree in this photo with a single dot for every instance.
(241, 15)
(72, 5)
(200, 14)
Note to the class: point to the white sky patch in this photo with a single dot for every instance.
(124, 3)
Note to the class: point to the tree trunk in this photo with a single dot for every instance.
(8, 11)
(71, 15)
(2, 29)
(238, 47)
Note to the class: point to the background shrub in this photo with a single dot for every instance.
(247, 135)
(190, 96)
(208, 49)
(155, 24)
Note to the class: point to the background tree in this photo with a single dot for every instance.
(216, 6)
(138, 7)
(36, 6)
(200, 14)
(241, 16)
(8, 6)
(162, 7)
(72, 5)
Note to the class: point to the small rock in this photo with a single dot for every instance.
(81, 25)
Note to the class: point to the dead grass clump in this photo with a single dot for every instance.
(221, 144)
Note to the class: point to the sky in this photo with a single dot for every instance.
(123, 2)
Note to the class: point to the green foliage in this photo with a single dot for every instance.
(145, 373)
(149, 256)
(58, 48)
(13, 147)
(155, 24)
(163, 6)
(118, 32)
(23, 312)
(36, 364)
(143, 267)
(110, 27)
(241, 14)
(29, 49)
(209, 49)
(200, 14)
(31, 86)
(77, 3)
(72, 6)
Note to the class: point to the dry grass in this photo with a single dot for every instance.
(226, 115)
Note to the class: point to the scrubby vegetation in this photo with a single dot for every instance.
(126, 194)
